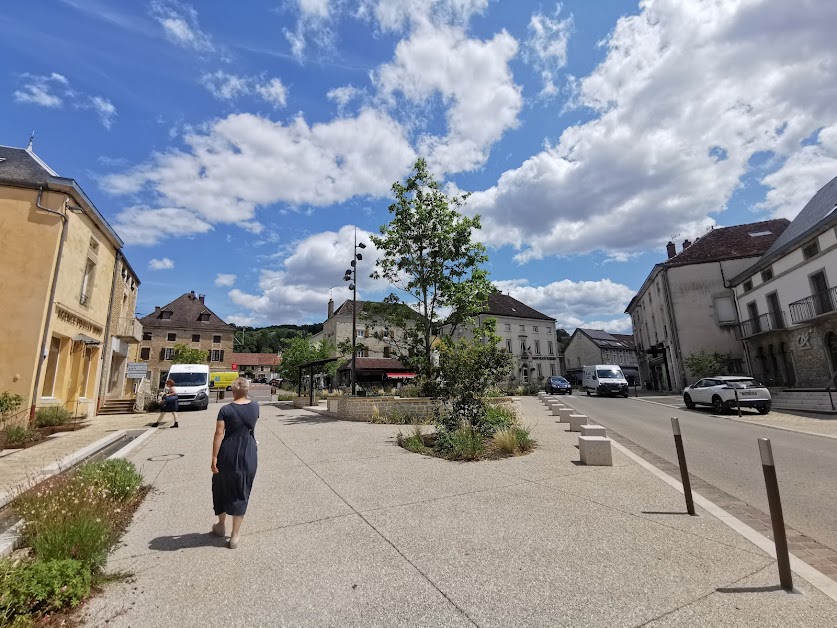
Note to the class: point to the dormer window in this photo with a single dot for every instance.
(203, 317)
(166, 314)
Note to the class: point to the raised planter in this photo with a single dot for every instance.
(365, 408)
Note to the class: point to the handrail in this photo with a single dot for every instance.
(828, 389)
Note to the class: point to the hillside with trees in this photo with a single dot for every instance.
(272, 339)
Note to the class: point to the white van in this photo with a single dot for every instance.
(604, 380)
(192, 384)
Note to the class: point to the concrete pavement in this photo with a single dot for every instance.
(347, 529)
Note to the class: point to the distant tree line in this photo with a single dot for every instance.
(271, 339)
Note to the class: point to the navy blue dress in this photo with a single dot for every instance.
(237, 459)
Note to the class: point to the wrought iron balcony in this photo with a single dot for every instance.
(760, 324)
(813, 306)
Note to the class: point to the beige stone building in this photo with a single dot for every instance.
(596, 346)
(59, 257)
(186, 320)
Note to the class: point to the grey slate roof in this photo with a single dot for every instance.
(20, 166)
(604, 340)
(733, 242)
(500, 304)
(186, 310)
(809, 221)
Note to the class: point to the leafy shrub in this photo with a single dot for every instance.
(285, 396)
(42, 586)
(9, 404)
(413, 442)
(410, 391)
(464, 443)
(496, 418)
(512, 440)
(52, 415)
(17, 435)
(525, 442)
(84, 537)
(117, 478)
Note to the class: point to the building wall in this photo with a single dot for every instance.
(582, 351)
(121, 346)
(159, 341)
(338, 329)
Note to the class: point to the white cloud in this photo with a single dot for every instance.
(589, 304)
(164, 263)
(39, 90)
(180, 24)
(686, 95)
(315, 24)
(344, 95)
(143, 226)
(394, 15)
(244, 161)
(471, 76)
(105, 109)
(229, 87)
(314, 7)
(546, 49)
(225, 280)
(313, 272)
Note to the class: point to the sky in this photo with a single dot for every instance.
(236, 147)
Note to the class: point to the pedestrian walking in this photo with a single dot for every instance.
(169, 403)
(234, 460)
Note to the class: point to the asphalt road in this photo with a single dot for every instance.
(725, 454)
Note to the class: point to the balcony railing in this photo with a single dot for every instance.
(129, 328)
(813, 306)
(760, 324)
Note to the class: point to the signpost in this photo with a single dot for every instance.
(136, 370)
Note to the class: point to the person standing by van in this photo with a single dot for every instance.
(169, 403)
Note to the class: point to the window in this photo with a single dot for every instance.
(665, 331)
(508, 326)
(523, 328)
(165, 315)
(549, 331)
(203, 317)
(171, 337)
(51, 366)
(508, 346)
(146, 335)
(537, 347)
(522, 347)
(551, 369)
(386, 333)
(87, 282)
(578, 361)
(535, 328)
(361, 333)
(540, 374)
(812, 249)
(166, 354)
(386, 352)
(748, 285)
(145, 353)
(549, 347)
(725, 310)
(216, 339)
(524, 377)
(216, 355)
(767, 274)
(85, 372)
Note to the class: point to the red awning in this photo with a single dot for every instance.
(400, 375)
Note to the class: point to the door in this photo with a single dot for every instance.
(776, 321)
(822, 297)
(753, 314)
(697, 391)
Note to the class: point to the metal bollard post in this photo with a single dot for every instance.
(684, 471)
(738, 403)
(776, 516)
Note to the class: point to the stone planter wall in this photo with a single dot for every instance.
(304, 401)
(364, 408)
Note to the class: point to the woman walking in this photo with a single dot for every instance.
(234, 460)
(169, 403)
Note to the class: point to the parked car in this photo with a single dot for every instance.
(558, 385)
(720, 393)
(275, 382)
(260, 380)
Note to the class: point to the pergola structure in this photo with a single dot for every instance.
(310, 366)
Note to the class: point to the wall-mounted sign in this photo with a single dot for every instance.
(136, 370)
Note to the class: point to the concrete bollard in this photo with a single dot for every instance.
(594, 430)
(565, 414)
(557, 409)
(576, 421)
(595, 451)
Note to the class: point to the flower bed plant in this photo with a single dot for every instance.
(69, 524)
(51, 416)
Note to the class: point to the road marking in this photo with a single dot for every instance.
(813, 576)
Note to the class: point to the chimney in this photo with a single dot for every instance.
(156, 308)
(686, 244)
(330, 308)
(201, 297)
(671, 250)
(192, 294)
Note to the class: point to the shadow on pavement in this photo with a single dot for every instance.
(186, 541)
(662, 512)
(767, 589)
(308, 419)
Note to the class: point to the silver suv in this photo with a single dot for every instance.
(720, 393)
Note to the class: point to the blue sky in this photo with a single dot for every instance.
(235, 147)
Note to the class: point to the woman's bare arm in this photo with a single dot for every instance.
(216, 444)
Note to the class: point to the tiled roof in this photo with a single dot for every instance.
(256, 359)
(382, 364)
(627, 339)
(808, 222)
(500, 304)
(605, 340)
(731, 242)
(346, 307)
(22, 167)
(186, 310)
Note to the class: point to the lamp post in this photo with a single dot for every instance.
(351, 275)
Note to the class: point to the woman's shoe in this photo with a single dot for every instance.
(233, 542)
(218, 530)
(175, 424)
(157, 424)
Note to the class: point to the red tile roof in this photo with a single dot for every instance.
(256, 359)
(731, 242)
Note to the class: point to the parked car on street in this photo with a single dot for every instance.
(260, 380)
(558, 385)
(720, 393)
(275, 382)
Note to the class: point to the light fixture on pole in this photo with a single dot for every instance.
(351, 275)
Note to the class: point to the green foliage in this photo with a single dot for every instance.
(40, 587)
(497, 418)
(705, 364)
(299, 350)
(413, 442)
(117, 478)
(428, 254)
(513, 439)
(51, 416)
(409, 391)
(464, 443)
(9, 404)
(184, 354)
(468, 368)
(285, 396)
(271, 339)
(18, 435)
(84, 537)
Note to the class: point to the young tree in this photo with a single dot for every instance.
(300, 350)
(184, 354)
(428, 254)
(705, 364)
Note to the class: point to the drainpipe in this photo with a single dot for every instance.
(108, 347)
(51, 298)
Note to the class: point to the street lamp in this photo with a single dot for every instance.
(351, 275)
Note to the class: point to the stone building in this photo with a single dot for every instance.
(786, 303)
(596, 346)
(186, 320)
(686, 304)
(60, 262)
(258, 364)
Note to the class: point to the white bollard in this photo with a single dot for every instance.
(576, 421)
(593, 430)
(595, 451)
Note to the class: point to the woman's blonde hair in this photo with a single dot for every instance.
(240, 387)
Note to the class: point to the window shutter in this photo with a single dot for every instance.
(163, 353)
(222, 356)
